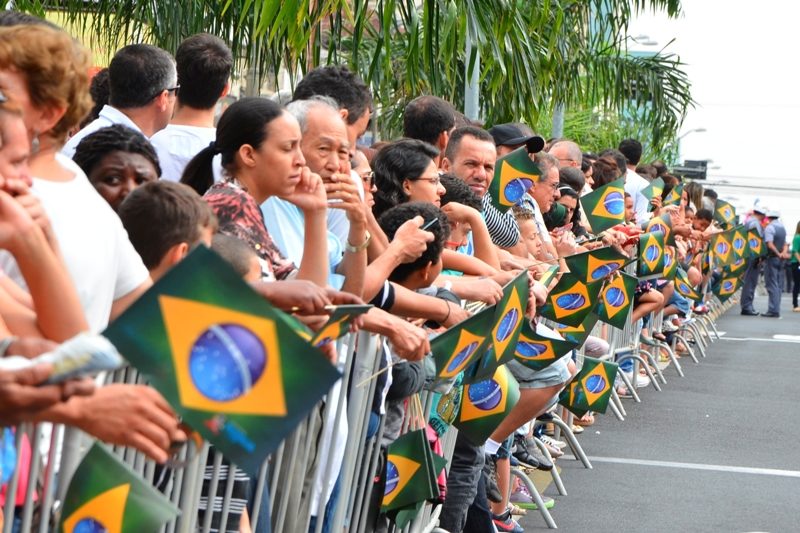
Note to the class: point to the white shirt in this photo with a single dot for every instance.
(176, 145)
(108, 117)
(634, 184)
(101, 260)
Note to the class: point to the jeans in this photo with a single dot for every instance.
(750, 283)
(773, 277)
(795, 283)
(462, 484)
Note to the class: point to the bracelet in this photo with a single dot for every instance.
(8, 341)
(355, 249)
(448, 312)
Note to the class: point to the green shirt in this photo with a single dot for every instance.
(795, 247)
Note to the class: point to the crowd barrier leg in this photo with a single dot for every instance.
(33, 476)
(362, 515)
(572, 441)
(643, 363)
(678, 337)
(559, 483)
(698, 340)
(48, 490)
(537, 498)
(672, 358)
(629, 385)
(259, 494)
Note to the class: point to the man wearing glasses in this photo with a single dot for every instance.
(144, 84)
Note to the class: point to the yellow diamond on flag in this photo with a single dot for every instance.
(615, 297)
(595, 384)
(399, 472)
(104, 512)
(485, 398)
(503, 331)
(571, 301)
(468, 343)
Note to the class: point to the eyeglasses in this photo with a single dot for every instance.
(433, 181)
(169, 90)
(3, 98)
(369, 178)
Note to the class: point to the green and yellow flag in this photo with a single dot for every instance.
(663, 224)
(485, 404)
(105, 495)
(722, 248)
(549, 275)
(673, 196)
(514, 174)
(338, 324)
(727, 287)
(461, 345)
(578, 334)
(683, 286)
(596, 265)
(670, 262)
(755, 244)
(724, 213)
(736, 268)
(233, 367)
(540, 348)
(571, 300)
(739, 242)
(591, 388)
(408, 472)
(656, 188)
(616, 300)
(650, 262)
(605, 206)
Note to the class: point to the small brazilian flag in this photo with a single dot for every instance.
(549, 275)
(408, 472)
(461, 345)
(736, 268)
(605, 207)
(233, 367)
(724, 213)
(739, 242)
(616, 300)
(755, 244)
(673, 196)
(683, 286)
(656, 188)
(706, 262)
(727, 287)
(571, 300)
(591, 388)
(105, 495)
(338, 324)
(663, 224)
(595, 265)
(514, 174)
(485, 404)
(540, 348)
(722, 247)
(650, 263)
(670, 262)
(578, 334)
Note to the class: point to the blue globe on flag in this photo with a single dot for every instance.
(89, 525)
(485, 395)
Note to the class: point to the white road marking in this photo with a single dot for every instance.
(761, 339)
(700, 466)
(793, 338)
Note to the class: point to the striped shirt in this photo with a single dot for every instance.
(502, 227)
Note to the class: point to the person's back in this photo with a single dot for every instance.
(204, 64)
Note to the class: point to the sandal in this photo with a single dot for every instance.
(517, 510)
(585, 421)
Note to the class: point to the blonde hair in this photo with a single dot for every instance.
(55, 67)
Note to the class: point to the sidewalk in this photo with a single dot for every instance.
(715, 451)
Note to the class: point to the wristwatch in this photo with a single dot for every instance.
(350, 248)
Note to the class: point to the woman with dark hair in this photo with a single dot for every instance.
(604, 171)
(405, 171)
(259, 144)
(117, 160)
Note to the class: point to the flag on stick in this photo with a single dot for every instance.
(616, 300)
(683, 286)
(673, 196)
(650, 262)
(595, 265)
(540, 348)
(461, 345)
(663, 224)
(755, 244)
(591, 388)
(571, 300)
(605, 207)
(514, 174)
(485, 404)
(338, 324)
(724, 213)
(656, 188)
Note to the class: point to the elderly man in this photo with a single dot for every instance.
(778, 246)
(568, 154)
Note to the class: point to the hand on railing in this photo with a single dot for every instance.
(21, 397)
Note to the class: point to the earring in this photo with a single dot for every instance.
(35, 143)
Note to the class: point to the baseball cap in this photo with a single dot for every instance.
(773, 214)
(511, 135)
(760, 210)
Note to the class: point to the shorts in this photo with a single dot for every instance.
(555, 374)
(681, 302)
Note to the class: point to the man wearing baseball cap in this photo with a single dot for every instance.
(508, 137)
(775, 239)
(754, 264)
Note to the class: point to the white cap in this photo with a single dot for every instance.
(773, 214)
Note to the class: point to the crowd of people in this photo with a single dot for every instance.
(102, 191)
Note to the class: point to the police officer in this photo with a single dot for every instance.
(754, 223)
(775, 239)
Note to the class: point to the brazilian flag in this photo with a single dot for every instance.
(106, 495)
(549, 275)
(541, 347)
(673, 196)
(656, 188)
(571, 300)
(722, 247)
(683, 286)
(650, 263)
(670, 262)
(596, 265)
(727, 287)
(739, 242)
(591, 388)
(663, 224)
(461, 345)
(485, 404)
(724, 213)
(514, 174)
(579, 333)
(605, 207)
(616, 300)
(338, 324)
(233, 367)
(755, 244)
(736, 268)
(409, 472)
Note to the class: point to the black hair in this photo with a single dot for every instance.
(458, 191)
(204, 64)
(138, 73)
(347, 88)
(396, 162)
(459, 133)
(632, 150)
(704, 214)
(572, 177)
(605, 170)
(117, 138)
(661, 168)
(616, 155)
(710, 193)
(9, 17)
(243, 122)
(426, 117)
(395, 217)
(100, 91)
(160, 214)
(235, 251)
(587, 160)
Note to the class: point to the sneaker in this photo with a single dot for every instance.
(523, 499)
(550, 441)
(504, 522)
(668, 327)
(642, 382)
(527, 452)
(576, 429)
(490, 471)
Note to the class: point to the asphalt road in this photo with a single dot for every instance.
(716, 451)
